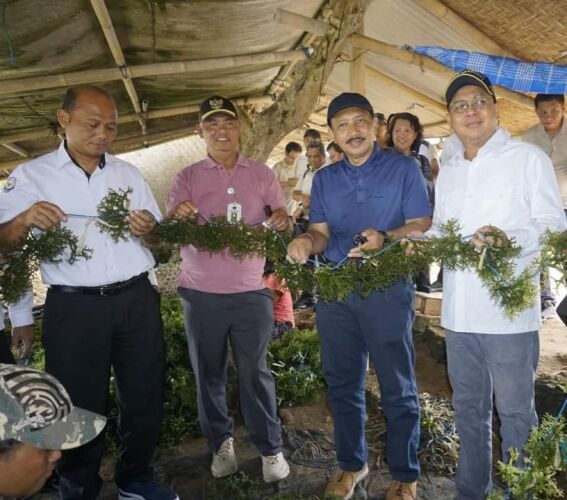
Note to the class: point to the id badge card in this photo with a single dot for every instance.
(234, 212)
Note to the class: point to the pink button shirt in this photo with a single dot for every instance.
(209, 187)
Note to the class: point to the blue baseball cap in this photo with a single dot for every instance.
(348, 100)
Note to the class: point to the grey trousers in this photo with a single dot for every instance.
(482, 367)
(246, 320)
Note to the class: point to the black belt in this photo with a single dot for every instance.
(101, 291)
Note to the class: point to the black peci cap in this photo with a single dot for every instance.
(216, 104)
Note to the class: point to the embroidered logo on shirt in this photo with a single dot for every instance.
(10, 184)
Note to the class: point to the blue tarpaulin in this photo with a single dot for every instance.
(539, 77)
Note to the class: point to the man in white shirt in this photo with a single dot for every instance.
(286, 170)
(490, 183)
(309, 136)
(315, 154)
(103, 311)
(550, 134)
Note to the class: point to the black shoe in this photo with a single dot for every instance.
(436, 286)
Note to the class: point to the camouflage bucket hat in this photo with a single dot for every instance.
(35, 409)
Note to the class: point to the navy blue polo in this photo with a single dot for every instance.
(382, 193)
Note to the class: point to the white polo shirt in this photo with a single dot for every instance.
(20, 313)
(556, 149)
(510, 185)
(55, 178)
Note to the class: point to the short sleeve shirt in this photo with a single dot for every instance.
(382, 194)
(209, 187)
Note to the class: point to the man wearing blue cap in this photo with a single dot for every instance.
(381, 195)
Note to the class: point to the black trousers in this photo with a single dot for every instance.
(5, 352)
(83, 336)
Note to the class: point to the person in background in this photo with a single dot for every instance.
(285, 170)
(335, 152)
(381, 129)
(283, 302)
(302, 197)
(550, 135)
(309, 136)
(405, 135)
(37, 421)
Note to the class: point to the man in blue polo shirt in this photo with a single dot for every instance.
(381, 195)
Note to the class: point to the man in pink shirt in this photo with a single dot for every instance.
(225, 298)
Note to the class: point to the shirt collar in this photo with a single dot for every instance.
(63, 157)
(494, 144)
(211, 163)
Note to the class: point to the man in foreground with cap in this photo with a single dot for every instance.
(497, 188)
(225, 298)
(103, 312)
(385, 198)
(37, 420)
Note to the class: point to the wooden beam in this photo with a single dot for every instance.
(191, 107)
(405, 56)
(103, 17)
(426, 63)
(463, 27)
(120, 146)
(442, 123)
(16, 149)
(358, 68)
(19, 85)
(303, 23)
(429, 103)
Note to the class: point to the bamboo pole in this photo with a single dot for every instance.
(463, 27)
(105, 21)
(429, 103)
(120, 146)
(19, 85)
(405, 56)
(441, 123)
(16, 149)
(303, 23)
(426, 63)
(358, 68)
(188, 108)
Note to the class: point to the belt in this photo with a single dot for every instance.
(101, 291)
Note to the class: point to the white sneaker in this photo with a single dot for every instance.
(224, 460)
(274, 468)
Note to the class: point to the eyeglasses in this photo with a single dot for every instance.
(478, 102)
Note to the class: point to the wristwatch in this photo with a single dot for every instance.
(387, 238)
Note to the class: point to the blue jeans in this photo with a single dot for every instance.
(482, 367)
(379, 326)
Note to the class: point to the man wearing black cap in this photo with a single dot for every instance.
(225, 298)
(382, 196)
(497, 188)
